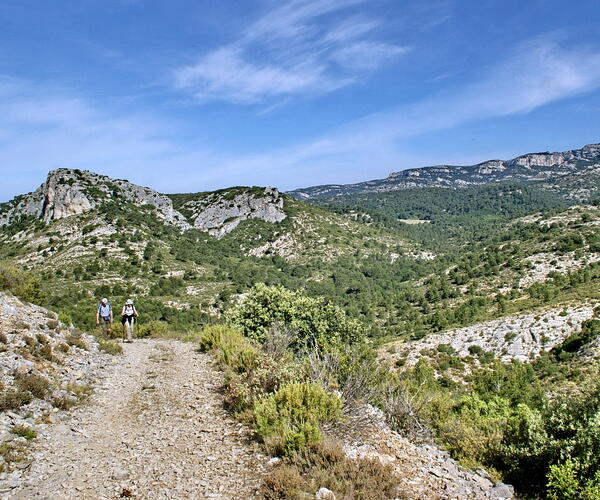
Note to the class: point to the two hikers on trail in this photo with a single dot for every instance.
(104, 317)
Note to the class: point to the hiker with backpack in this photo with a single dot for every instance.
(104, 314)
(128, 318)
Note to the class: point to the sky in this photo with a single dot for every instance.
(195, 95)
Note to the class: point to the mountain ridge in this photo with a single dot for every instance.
(544, 167)
(68, 192)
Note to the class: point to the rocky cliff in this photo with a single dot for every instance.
(220, 212)
(69, 192)
(547, 167)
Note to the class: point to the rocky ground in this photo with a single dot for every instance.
(155, 428)
(522, 337)
(427, 472)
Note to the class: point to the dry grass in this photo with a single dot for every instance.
(75, 339)
(11, 399)
(37, 385)
(12, 452)
(326, 465)
(110, 347)
(24, 431)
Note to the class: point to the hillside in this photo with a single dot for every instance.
(555, 171)
(184, 255)
(457, 316)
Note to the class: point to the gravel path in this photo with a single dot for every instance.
(155, 429)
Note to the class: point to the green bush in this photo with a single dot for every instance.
(269, 374)
(315, 322)
(151, 328)
(235, 351)
(23, 284)
(210, 337)
(291, 418)
(565, 483)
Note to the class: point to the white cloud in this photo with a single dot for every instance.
(43, 128)
(298, 47)
(536, 73)
(225, 74)
(365, 55)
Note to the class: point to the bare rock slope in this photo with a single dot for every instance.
(522, 337)
(68, 192)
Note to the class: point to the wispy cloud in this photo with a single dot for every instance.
(536, 73)
(45, 127)
(299, 47)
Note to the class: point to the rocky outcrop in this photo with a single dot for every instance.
(221, 212)
(522, 337)
(426, 470)
(69, 192)
(45, 368)
(529, 167)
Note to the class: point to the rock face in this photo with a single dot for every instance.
(69, 192)
(220, 212)
(522, 337)
(530, 167)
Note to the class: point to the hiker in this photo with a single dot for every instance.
(105, 314)
(128, 318)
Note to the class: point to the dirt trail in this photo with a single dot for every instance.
(155, 429)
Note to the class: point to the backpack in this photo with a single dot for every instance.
(107, 305)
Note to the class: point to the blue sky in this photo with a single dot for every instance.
(192, 95)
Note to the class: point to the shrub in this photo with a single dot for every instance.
(37, 385)
(24, 431)
(326, 465)
(316, 322)
(243, 390)
(65, 318)
(291, 417)
(44, 351)
(235, 351)
(63, 347)
(110, 347)
(12, 452)
(11, 399)
(52, 324)
(475, 350)
(75, 339)
(210, 337)
(151, 328)
(24, 285)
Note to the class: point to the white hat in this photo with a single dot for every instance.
(104, 299)
(129, 302)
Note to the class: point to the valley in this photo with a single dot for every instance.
(469, 295)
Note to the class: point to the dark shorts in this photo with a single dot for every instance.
(127, 319)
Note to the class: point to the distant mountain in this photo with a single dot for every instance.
(574, 174)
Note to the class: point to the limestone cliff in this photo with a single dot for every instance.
(69, 192)
(548, 167)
